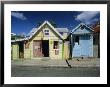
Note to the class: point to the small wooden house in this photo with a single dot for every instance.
(44, 41)
(81, 41)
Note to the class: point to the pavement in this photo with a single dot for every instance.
(47, 62)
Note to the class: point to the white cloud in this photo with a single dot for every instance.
(13, 34)
(87, 16)
(92, 21)
(18, 15)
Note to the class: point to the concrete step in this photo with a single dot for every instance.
(55, 62)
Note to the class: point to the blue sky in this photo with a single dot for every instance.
(24, 21)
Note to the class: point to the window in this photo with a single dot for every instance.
(46, 32)
(55, 45)
(82, 27)
(61, 33)
(77, 39)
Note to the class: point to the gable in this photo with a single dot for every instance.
(82, 29)
(41, 33)
(45, 25)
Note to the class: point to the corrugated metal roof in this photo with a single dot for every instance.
(18, 40)
(58, 29)
(82, 24)
(34, 30)
(97, 29)
(62, 30)
(31, 32)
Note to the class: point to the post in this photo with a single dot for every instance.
(62, 49)
(68, 63)
(71, 44)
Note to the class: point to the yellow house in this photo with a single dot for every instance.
(44, 41)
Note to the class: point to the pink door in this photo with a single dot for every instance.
(37, 48)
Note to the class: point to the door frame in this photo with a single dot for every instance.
(48, 47)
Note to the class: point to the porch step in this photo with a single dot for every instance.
(45, 59)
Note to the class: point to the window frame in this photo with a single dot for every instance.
(45, 32)
(78, 39)
(54, 44)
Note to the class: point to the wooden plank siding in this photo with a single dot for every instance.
(54, 38)
(39, 36)
(15, 51)
(82, 41)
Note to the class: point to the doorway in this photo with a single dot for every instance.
(21, 50)
(45, 48)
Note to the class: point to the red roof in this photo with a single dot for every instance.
(97, 29)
